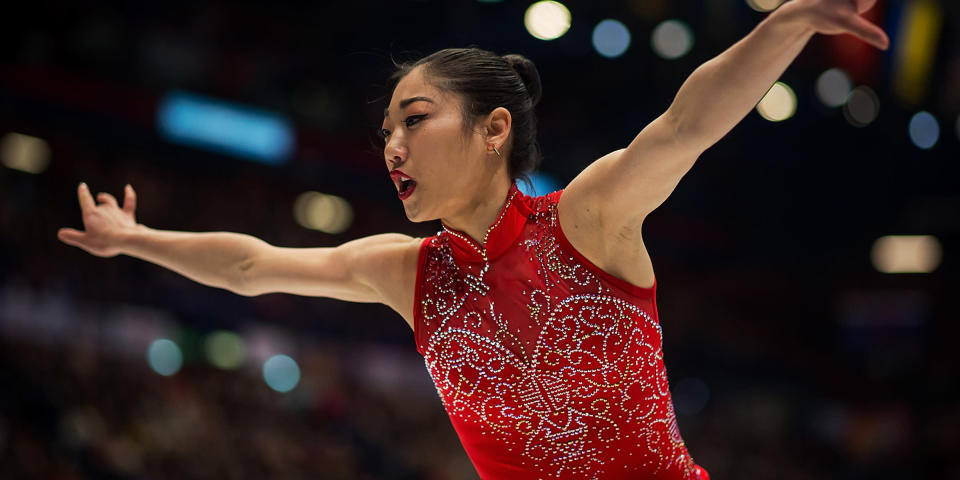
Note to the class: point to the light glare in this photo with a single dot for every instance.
(225, 127)
(780, 103)
(906, 254)
(671, 39)
(862, 106)
(225, 350)
(281, 373)
(924, 130)
(611, 38)
(164, 357)
(833, 87)
(25, 153)
(326, 213)
(542, 184)
(547, 20)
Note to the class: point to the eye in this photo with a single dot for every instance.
(410, 121)
(413, 119)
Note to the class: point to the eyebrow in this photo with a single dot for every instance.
(405, 102)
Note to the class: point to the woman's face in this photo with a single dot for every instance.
(425, 139)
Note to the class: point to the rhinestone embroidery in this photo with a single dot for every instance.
(576, 388)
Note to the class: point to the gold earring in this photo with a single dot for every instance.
(492, 146)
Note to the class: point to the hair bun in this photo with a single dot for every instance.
(528, 74)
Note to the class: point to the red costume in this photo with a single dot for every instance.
(548, 366)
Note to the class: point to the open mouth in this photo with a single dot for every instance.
(406, 188)
(405, 184)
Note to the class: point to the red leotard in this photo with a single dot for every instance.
(548, 366)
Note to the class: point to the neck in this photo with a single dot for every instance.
(482, 211)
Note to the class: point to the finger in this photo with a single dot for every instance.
(107, 198)
(86, 200)
(865, 5)
(867, 31)
(129, 199)
(70, 236)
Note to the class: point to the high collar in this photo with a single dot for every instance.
(513, 215)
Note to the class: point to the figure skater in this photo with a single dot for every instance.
(535, 316)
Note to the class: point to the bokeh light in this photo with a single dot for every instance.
(862, 106)
(671, 39)
(833, 87)
(906, 254)
(924, 130)
(611, 38)
(690, 395)
(25, 153)
(542, 184)
(912, 60)
(225, 349)
(780, 103)
(226, 127)
(764, 5)
(281, 373)
(326, 213)
(164, 357)
(547, 20)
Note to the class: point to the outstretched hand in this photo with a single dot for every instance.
(104, 223)
(833, 17)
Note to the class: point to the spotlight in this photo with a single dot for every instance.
(780, 103)
(671, 39)
(547, 20)
(164, 357)
(862, 107)
(924, 130)
(906, 254)
(833, 87)
(611, 38)
(281, 373)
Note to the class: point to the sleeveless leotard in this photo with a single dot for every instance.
(548, 366)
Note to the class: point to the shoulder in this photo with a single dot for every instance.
(391, 268)
(381, 261)
(587, 190)
(382, 250)
(409, 252)
(613, 244)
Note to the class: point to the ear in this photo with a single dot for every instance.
(497, 127)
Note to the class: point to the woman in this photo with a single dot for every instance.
(536, 316)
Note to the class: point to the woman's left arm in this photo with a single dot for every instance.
(626, 185)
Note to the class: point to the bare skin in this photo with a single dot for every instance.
(461, 180)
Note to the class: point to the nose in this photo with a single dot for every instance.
(394, 152)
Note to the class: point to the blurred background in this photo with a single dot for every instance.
(807, 264)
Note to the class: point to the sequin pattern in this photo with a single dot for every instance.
(548, 367)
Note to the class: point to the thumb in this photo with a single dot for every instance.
(129, 199)
(71, 236)
(867, 31)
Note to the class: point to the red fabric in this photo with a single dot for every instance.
(548, 366)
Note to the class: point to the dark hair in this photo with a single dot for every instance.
(486, 81)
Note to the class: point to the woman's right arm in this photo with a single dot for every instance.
(379, 268)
